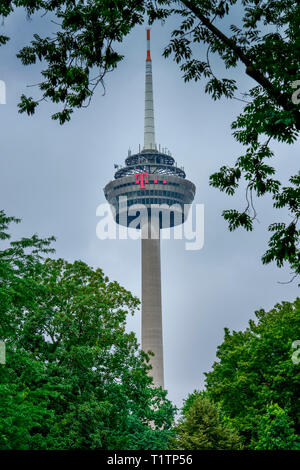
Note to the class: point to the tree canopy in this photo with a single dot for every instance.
(73, 378)
(255, 381)
(201, 427)
(264, 42)
(275, 431)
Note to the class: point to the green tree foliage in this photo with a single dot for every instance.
(73, 378)
(201, 427)
(81, 51)
(256, 377)
(275, 431)
(264, 43)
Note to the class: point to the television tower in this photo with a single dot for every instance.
(161, 182)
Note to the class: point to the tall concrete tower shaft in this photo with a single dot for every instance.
(164, 187)
(152, 332)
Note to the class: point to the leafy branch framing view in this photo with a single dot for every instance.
(83, 50)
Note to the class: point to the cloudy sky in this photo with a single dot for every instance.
(53, 177)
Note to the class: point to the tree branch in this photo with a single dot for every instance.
(282, 99)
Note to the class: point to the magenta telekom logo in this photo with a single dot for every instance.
(143, 178)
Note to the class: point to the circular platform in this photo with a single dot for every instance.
(150, 183)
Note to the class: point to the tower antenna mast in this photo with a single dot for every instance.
(149, 129)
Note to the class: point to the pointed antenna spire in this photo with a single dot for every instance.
(149, 131)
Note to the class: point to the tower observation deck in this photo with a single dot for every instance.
(152, 178)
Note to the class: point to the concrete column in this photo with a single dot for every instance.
(152, 335)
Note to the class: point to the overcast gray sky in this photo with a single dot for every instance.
(53, 177)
